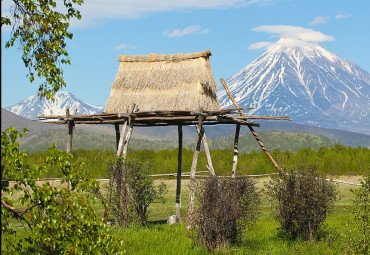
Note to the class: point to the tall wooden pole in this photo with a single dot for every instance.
(129, 133)
(236, 151)
(116, 128)
(250, 128)
(127, 140)
(189, 220)
(71, 126)
(121, 139)
(178, 177)
(208, 155)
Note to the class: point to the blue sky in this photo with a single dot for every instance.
(234, 30)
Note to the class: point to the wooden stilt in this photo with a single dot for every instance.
(208, 154)
(178, 177)
(236, 151)
(189, 220)
(264, 148)
(121, 139)
(127, 140)
(250, 127)
(116, 127)
(129, 133)
(71, 126)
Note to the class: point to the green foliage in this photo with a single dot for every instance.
(337, 160)
(225, 208)
(41, 28)
(132, 192)
(303, 201)
(61, 218)
(361, 211)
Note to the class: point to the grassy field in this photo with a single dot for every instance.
(263, 238)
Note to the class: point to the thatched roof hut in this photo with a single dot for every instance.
(164, 82)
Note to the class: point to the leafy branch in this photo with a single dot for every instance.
(40, 28)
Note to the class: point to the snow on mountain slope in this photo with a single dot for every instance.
(32, 106)
(305, 81)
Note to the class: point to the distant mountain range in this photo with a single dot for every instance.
(32, 106)
(306, 82)
(275, 134)
(322, 92)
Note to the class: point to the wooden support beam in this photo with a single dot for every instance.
(250, 128)
(236, 151)
(116, 128)
(264, 148)
(189, 220)
(121, 139)
(178, 177)
(208, 154)
(129, 133)
(127, 140)
(71, 126)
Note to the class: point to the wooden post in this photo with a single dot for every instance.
(116, 128)
(129, 133)
(189, 220)
(208, 154)
(236, 151)
(178, 177)
(71, 126)
(121, 139)
(264, 148)
(250, 128)
(128, 137)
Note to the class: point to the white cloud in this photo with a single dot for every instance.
(295, 32)
(96, 12)
(123, 46)
(196, 29)
(259, 45)
(120, 47)
(320, 20)
(342, 16)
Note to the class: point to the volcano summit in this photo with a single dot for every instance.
(305, 81)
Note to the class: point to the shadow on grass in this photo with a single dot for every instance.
(157, 222)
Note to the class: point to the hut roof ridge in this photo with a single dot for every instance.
(154, 57)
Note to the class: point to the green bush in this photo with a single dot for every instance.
(132, 192)
(303, 199)
(361, 211)
(225, 207)
(61, 218)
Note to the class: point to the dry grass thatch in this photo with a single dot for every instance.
(164, 82)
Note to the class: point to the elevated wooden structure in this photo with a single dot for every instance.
(167, 87)
(170, 118)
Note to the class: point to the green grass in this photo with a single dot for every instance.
(263, 238)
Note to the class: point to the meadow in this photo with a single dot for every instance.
(338, 236)
(263, 237)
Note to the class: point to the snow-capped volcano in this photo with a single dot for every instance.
(308, 83)
(32, 106)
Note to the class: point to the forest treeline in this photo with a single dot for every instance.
(291, 141)
(335, 160)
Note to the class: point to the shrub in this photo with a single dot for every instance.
(303, 201)
(132, 192)
(61, 217)
(225, 207)
(361, 211)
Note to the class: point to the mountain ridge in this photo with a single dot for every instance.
(33, 106)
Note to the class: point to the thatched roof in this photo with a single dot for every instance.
(164, 82)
